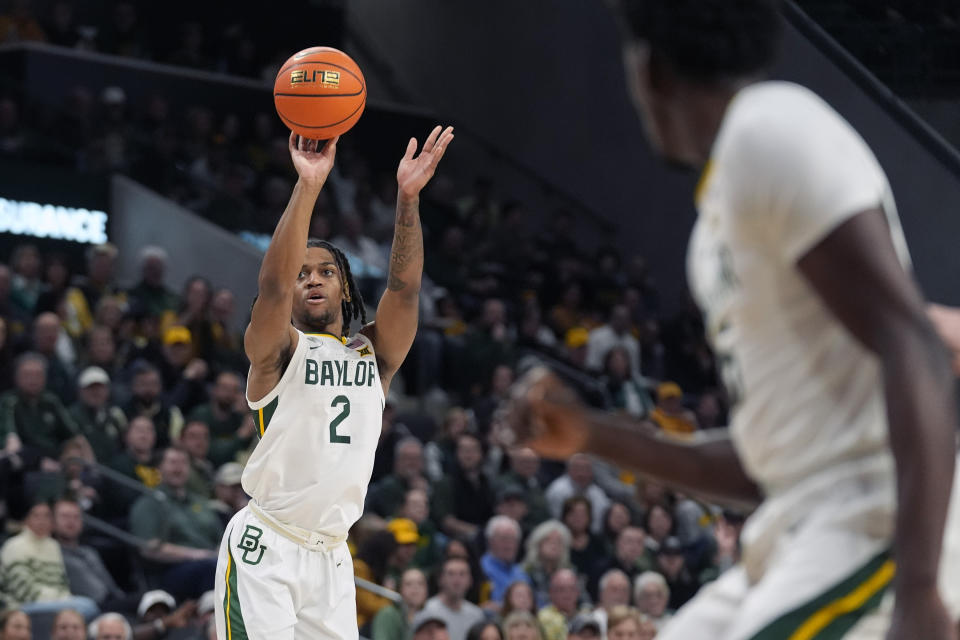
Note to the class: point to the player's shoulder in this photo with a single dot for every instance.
(777, 112)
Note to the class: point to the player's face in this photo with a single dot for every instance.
(316, 304)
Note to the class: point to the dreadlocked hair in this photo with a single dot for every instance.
(352, 306)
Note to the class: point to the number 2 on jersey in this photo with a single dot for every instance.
(334, 436)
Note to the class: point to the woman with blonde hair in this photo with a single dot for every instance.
(548, 550)
(626, 623)
(521, 625)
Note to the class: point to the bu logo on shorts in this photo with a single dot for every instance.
(250, 543)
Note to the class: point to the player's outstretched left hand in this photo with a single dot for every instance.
(545, 415)
(413, 174)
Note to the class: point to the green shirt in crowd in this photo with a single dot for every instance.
(41, 422)
(185, 520)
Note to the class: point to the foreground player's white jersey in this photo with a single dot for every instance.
(785, 171)
(319, 431)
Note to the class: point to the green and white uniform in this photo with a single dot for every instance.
(809, 420)
(284, 571)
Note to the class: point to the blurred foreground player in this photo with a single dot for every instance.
(843, 427)
(284, 571)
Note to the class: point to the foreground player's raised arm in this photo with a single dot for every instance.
(269, 338)
(856, 273)
(547, 416)
(395, 326)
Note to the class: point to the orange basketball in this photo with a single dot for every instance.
(320, 93)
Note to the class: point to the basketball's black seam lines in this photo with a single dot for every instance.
(319, 95)
(320, 126)
(332, 64)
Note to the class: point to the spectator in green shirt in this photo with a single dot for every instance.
(151, 293)
(33, 422)
(224, 416)
(195, 440)
(393, 622)
(182, 531)
(97, 420)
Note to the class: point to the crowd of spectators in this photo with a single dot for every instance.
(123, 407)
(124, 428)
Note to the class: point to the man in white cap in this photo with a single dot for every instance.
(99, 421)
(158, 614)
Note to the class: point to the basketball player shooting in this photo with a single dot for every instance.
(284, 572)
(843, 429)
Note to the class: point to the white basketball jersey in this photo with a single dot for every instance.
(785, 171)
(319, 429)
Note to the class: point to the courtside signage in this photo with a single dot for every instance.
(52, 221)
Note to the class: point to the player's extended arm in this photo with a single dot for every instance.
(856, 272)
(551, 419)
(270, 338)
(395, 326)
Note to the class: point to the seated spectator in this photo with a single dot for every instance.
(440, 453)
(195, 440)
(626, 623)
(548, 551)
(86, 574)
(194, 314)
(630, 556)
(68, 624)
(625, 389)
(78, 478)
(584, 627)
(487, 344)
(496, 394)
(27, 268)
(139, 459)
(372, 563)
(96, 419)
(575, 346)
(462, 501)
(521, 625)
(416, 508)
(564, 594)
(32, 570)
(393, 622)
(499, 563)
(586, 549)
(33, 422)
(46, 342)
(386, 497)
(228, 494)
(659, 526)
(111, 626)
(158, 615)
(86, 291)
(406, 536)
(429, 627)
(614, 590)
(519, 596)
(184, 377)
(391, 432)
(183, 532)
(671, 563)
(616, 333)
(449, 604)
(578, 481)
(486, 630)
(15, 625)
(618, 517)
(524, 470)
(224, 415)
(147, 387)
(151, 293)
(650, 596)
(510, 502)
(670, 414)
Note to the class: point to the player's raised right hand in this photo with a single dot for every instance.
(545, 415)
(313, 165)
